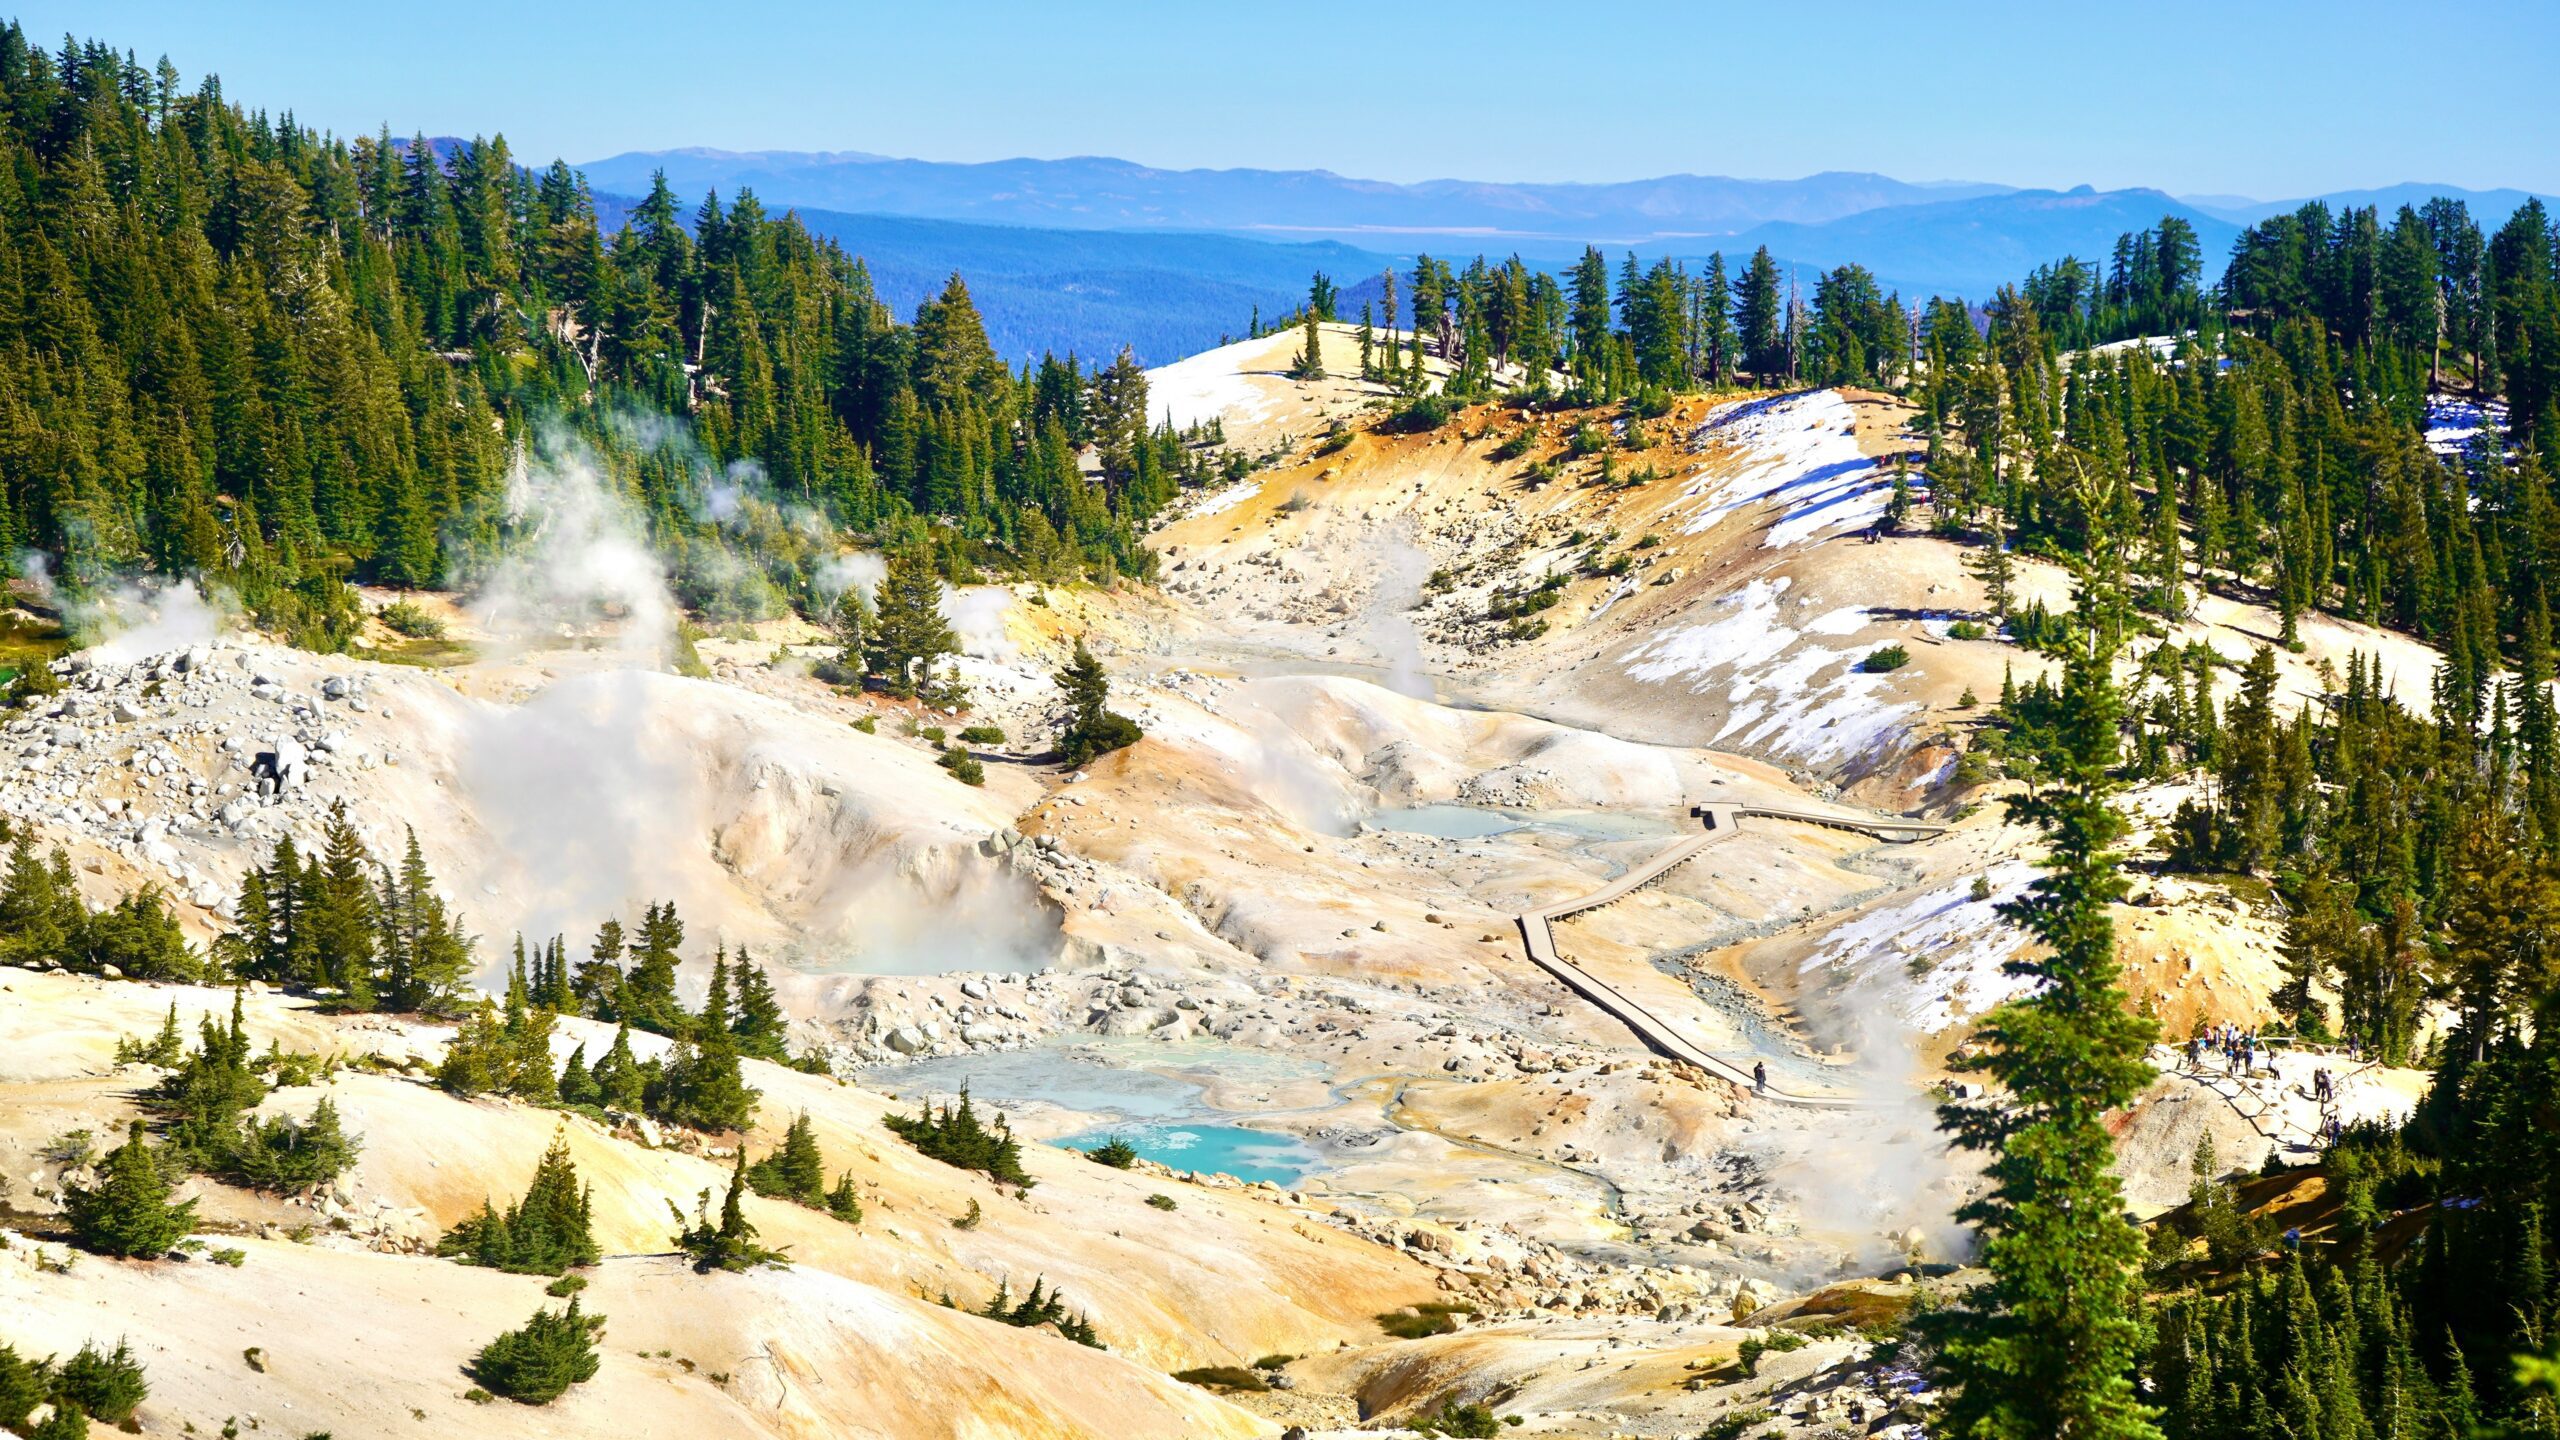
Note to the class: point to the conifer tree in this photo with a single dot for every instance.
(730, 1242)
(620, 1082)
(796, 1171)
(599, 981)
(127, 1213)
(547, 1232)
(1091, 727)
(758, 1023)
(2047, 1347)
(911, 634)
(1308, 362)
(537, 1364)
(647, 994)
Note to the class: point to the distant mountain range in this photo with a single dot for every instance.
(1091, 253)
(1091, 193)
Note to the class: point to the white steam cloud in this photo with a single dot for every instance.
(861, 570)
(1388, 622)
(976, 616)
(127, 620)
(576, 556)
(590, 812)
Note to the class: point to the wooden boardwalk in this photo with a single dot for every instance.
(1721, 819)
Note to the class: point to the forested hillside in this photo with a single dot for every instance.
(234, 347)
(2354, 414)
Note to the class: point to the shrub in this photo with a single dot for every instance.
(868, 724)
(106, 1387)
(537, 1364)
(1513, 446)
(1732, 1427)
(1966, 630)
(1222, 1377)
(1161, 1202)
(954, 1136)
(1435, 1317)
(1116, 1153)
(1422, 412)
(1043, 1306)
(565, 1286)
(1465, 1422)
(1588, 439)
(1890, 657)
(408, 617)
(964, 767)
(982, 735)
(1767, 1342)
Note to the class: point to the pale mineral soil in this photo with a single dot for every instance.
(1289, 907)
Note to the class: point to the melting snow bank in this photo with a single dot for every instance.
(1207, 386)
(1799, 451)
(2454, 424)
(1774, 683)
(1935, 958)
(1219, 502)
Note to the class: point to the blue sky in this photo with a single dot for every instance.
(2237, 96)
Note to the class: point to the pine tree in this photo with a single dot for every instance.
(128, 1212)
(620, 1082)
(1759, 319)
(759, 1026)
(537, 1364)
(796, 1171)
(647, 995)
(1090, 726)
(730, 1243)
(911, 633)
(1308, 362)
(425, 958)
(2047, 1347)
(599, 981)
(547, 1232)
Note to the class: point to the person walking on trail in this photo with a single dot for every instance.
(1760, 1076)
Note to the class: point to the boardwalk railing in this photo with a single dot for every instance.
(1721, 820)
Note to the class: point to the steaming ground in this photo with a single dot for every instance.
(1289, 907)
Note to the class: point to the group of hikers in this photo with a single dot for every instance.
(2242, 1053)
(2238, 1047)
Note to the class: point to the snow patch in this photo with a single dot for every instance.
(1798, 452)
(2455, 425)
(1963, 941)
(1776, 687)
(1204, 387)
(1221, 501)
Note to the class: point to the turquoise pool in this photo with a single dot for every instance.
(1226, 1149)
